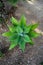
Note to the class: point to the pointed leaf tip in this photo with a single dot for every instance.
(23, 21)
(7, 34)
(34, 26)
(14, 21)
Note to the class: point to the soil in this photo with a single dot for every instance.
(33, 55)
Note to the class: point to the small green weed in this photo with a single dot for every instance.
(20, 33)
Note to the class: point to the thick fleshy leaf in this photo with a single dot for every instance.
(27, 28)
(22, 45)
(23, 21)
(12, 28)
(19, 29)
(13, 37)
(27, 38)
(7, 34)
(34, 26)
(13, 44)
(34, 34)
(14, 21)
(31, 43)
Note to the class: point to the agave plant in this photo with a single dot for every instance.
(20, 33)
